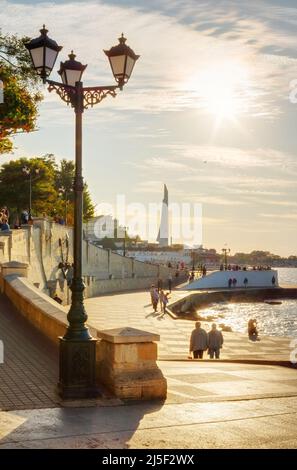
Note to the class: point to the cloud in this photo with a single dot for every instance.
(182, 46)
(214, 200)
(149, 187)
(233, 157)
(288, 216)
(159, 163)
(272, 202)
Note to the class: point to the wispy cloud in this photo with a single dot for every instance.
(160, 82)
(233, 157)
(193, 54)
(289, 216)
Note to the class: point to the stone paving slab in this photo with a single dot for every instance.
(28, 376)
(134, 310)
(245, 421)
(221, 404)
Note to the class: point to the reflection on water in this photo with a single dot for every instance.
(273, 320)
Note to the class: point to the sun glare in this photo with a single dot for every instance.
(222, 90)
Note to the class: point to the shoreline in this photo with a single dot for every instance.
(188, 304)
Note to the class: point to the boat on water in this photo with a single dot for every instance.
(272, 302)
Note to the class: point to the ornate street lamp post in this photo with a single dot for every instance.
(63, 193)
(28, 172)
(77, 347)
(125, 237)
(226, 251)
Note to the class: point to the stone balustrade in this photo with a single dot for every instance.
(126, 364)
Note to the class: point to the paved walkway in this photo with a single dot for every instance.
(134, 309)
(28, 376)
(208, 406)
(221, 404)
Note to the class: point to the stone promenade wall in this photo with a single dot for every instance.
(220, 279)
(46, 244)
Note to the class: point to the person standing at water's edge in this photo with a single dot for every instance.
(215, 342)
(198, 341)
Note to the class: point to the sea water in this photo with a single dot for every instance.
(272, 320)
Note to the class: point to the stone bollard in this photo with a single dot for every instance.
(12, 267)
(126, 364)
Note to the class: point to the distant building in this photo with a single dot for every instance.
(163, 235)
(103, 226)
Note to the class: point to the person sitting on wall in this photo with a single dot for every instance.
(230, 283)
(4, 226)
(24, 217)
(273, 280)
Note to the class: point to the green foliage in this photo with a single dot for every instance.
(64, 181)
(14, 54)
(15, 186)
(47, 197)
(18, 113)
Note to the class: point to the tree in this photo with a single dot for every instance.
(64, 183)
(47, 197)
(18, 113)
(15, 185)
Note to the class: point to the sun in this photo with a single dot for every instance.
(221, 90)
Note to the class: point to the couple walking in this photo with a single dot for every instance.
(158, 295)
(201, 341)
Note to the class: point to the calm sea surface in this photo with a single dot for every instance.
(273, 320)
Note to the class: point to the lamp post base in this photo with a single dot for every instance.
(78, 369)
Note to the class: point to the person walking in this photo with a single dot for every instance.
(198, 341)
(160, 284)
(152, 289)
(170, 283)
(154, 297)
(161, 298)
(165, 301)
(215, 342)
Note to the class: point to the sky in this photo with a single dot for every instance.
(210, 110)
